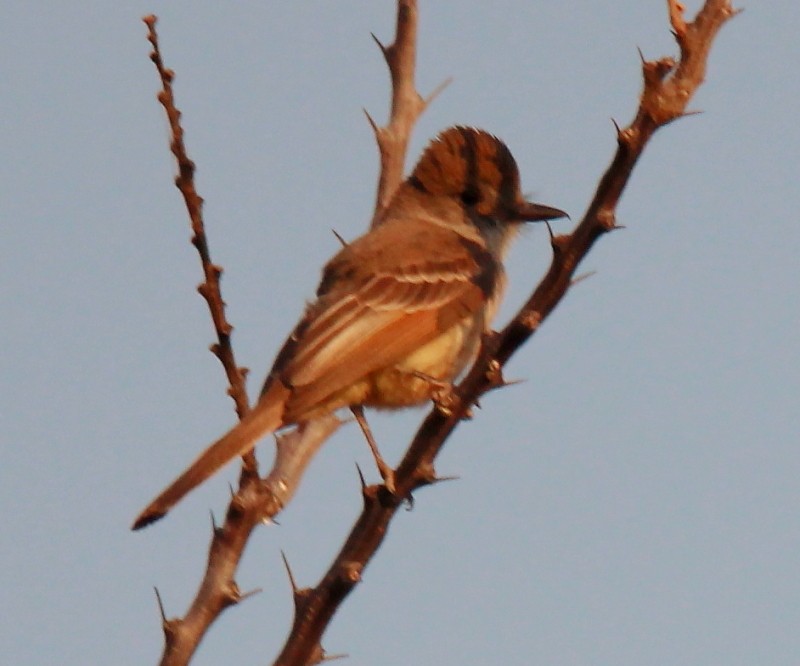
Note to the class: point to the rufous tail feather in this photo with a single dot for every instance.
(265, 417)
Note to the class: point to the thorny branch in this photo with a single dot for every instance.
(256, 500)
(407, 105)
(184, 181)
(668, 87)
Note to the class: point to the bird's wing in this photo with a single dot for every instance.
(380, 299)
(374, 308)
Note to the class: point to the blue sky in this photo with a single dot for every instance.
(635, 501)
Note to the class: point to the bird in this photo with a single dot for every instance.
(400, 310)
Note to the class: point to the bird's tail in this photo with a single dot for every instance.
(265, 417)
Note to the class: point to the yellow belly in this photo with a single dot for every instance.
(407, 382)
(441, 359)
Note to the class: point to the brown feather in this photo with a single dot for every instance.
(265, 417)
(410, 297)
(396, 300)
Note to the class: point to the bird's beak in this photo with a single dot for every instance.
(534, 212)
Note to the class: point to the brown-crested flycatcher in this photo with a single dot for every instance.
(397, 310)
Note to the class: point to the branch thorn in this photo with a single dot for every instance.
(214, 526)
(361, 477)
(289, 573)
(372, 123)
(160, 606)
(442, 479)
(384, 49)
(582, 277)
(550, 231)
(437, 91)
(249, 594)
(339, 238)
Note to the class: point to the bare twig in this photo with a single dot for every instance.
(676, 18)
(667, 91)
(668, 88)
(184, 181)
(406, 106)
(256, 500)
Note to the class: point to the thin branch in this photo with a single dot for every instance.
(676, 18)
(184, 181)
(406, 105)
(256, 500)
(667, 90)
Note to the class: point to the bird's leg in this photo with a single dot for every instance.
(385, 470)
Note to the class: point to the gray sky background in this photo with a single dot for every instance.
(634, 502)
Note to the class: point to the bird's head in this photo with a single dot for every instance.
(477, 170)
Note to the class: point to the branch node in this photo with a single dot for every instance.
(424, 475)
(627, 137)
(267, 519)
(370, 494)
(607, 218)
(351, 570)
(676, 19)
(494, 373)
(531, 319)
(231, 595)
(560, 243)
(442, 393)
(654, 71)
(236, 506)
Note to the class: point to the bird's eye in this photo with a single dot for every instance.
(470, 197)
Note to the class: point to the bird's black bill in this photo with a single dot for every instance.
(534, 212)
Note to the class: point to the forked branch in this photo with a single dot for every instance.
(668, 87)
(667, 90)
(256, 500)
(406, 105)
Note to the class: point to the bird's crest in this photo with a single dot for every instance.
(469, 163)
